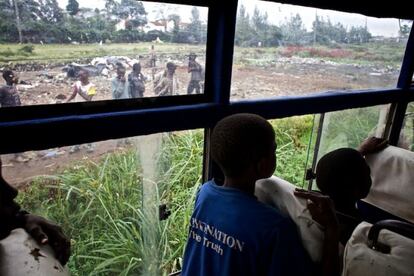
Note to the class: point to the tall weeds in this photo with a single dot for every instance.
(100, 204)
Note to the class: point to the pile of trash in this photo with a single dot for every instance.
(99, 66)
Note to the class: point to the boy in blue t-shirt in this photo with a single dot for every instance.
(231, 232)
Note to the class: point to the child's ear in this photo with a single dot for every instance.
(262, 168)
(266, 166)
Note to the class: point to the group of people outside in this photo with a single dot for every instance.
(123, 85)
(165, 83)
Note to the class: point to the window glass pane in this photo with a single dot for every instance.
(348, 128)
(292, 50)
(344, 129)
(60, 41)
(406, 140)
(293, 139)
(106, 196)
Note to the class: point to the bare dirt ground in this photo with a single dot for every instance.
(286, 77)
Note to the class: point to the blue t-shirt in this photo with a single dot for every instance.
(231, 233)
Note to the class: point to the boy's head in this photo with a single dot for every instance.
(344, 175)
(9, 77)
(171, 67)
(136, 67)
(84, 76)
(192, 56)
(120, 72)
(243, 141)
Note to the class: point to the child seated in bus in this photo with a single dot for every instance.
(345, 177)
(231, 232)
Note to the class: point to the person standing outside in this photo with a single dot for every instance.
(9, 95)
(136, 79)
(120, 85)
(83, 91)
(195, 69)
(153, 57)
(167, 85)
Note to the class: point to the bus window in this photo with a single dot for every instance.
(406, 140)
(108, 197)
(347, 128)
(293, 138)
(296, 50)
(48, 48)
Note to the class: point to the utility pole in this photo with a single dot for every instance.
(18, 24)
(316, 27)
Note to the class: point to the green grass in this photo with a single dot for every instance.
(381, 53)
(378, 53)
(292, 139)
(100, 207)
(54, 53)
(100, 204)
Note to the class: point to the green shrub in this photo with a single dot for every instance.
(7, 52)
(27, 49)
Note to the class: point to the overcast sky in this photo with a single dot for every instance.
(277, 13)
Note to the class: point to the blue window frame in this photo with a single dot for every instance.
(59, 125)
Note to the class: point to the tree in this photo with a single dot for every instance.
(404, 27)
(163, 11)
(133, 11)
(321, 30)
(257, 30)
(359, 35)
(8, 28)
(111, 6)
(72, 7)
(50, 11)
(244, 31)
(260, 25)
(194, 28)
(18, 23)
(99, 28)
(293, 31)
(339, 33)
(324, 32)
(176, 30)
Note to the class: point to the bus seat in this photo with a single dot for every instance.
(278, 193)
(373, 214)
(21, 255)
(385, 248)
(392, 190)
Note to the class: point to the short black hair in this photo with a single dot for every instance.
(341, 172)
(136, 66)
(84, 72)
(239, 141)
(171, 65)
(119, 68)
(6, 74)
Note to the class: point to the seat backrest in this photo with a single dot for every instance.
(392, 172)
(278, 193)
(21, 255)
(390, 254)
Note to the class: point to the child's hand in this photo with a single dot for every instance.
(46, 232)
(321, 208)
(372, 145)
